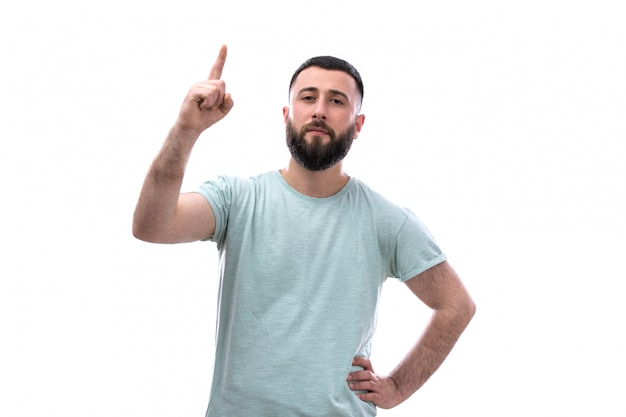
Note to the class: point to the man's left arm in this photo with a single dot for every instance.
(441, 289)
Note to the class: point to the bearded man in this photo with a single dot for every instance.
(304, 252)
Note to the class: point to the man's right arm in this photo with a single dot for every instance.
(163, 214)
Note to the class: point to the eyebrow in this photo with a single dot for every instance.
(332, 92)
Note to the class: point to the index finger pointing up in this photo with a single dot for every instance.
(216, 70)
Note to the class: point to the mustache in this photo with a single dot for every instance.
(319, 124)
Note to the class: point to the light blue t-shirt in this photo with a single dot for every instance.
(299, 287)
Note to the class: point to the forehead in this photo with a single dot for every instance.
(325, 80)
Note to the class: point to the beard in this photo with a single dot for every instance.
(315, 155)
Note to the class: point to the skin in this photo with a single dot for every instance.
(165, 215)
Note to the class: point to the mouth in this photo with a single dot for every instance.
(317, 131)
(318, 128)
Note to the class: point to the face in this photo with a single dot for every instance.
(322, 121)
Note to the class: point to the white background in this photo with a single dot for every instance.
(500, 124)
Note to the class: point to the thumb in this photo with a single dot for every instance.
(227, 104)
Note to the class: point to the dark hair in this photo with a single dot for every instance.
(330, 63)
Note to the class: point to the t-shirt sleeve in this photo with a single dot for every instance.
(415, 251)
(219, 194)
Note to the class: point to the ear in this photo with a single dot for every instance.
(285, 113)
(359, 120)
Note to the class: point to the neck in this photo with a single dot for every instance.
(319, 184)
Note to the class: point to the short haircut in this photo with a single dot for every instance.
(330, 63)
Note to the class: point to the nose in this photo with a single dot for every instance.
(319, 112)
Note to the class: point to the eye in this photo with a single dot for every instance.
(336, 101)
(307, 98)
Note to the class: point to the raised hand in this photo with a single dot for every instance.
(207, 102)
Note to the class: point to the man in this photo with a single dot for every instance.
(303, 254)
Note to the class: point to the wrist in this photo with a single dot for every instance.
(183, 136)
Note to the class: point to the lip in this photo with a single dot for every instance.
(317, 131)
